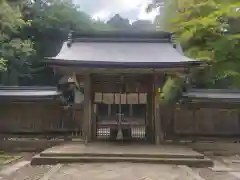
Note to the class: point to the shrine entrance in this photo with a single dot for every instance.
(122, 107)
(121, 73)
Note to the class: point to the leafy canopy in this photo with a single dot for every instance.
(14, 51)
(208, 30)
(31, 30)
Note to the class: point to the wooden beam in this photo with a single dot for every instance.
(88, 109)
(150, 131)
(78, 70)
(157, 123)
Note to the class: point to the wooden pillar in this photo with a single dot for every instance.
(77, 110)
(88, 109)
(150, 129)
(157, 123)
(94, 121)
(150, 120)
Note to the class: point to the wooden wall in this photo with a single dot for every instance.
(114, 83)
(189, 120)
(38, 118)
(199, 120)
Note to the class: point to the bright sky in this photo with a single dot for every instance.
(104, 9)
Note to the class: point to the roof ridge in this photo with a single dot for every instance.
(122, 34)
(124, 39)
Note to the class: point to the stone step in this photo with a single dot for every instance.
(193, 162)
(135, 155)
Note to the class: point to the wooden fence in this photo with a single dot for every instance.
(51, 120)
(41, 119)
(199, 120)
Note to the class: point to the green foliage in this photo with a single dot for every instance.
(208, 30)
(101, 26)
(32, 30)
(14, 51)
(51, 21)
(172, 90)
(57, 14)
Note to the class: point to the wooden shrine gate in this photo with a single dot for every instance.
(122, 107)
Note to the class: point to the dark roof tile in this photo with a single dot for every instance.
(27, 93)
(126, 54)
(213, 94)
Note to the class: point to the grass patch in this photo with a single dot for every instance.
(6, 158)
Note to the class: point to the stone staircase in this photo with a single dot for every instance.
(74, 153)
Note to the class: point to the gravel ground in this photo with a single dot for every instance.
(28, 172)
(118, 171)
(121, 171)
(208, 174)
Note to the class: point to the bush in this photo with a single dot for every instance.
(172, 90)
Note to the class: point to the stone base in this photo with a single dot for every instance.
(119, 152)
(193, 162)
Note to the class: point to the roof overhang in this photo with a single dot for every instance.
(93, 54)
(212, 95)
(28, 94)
(106, 64)
(120, 49)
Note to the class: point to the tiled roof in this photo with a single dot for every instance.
(126, 50)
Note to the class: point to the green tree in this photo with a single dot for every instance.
(208, 31)
(172, 90)
(32, 30)
(14, 51)
(51, 21)
(119, 23)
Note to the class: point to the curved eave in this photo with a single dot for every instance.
(28, 99)
(212, 95)
(104, 64)
(28, 94)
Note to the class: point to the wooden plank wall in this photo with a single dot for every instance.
(29, 119)
(200, 121)
(113, 83)
(179, 121)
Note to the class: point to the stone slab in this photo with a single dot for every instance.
(217, 148)
(193, 162)
(122, 150)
